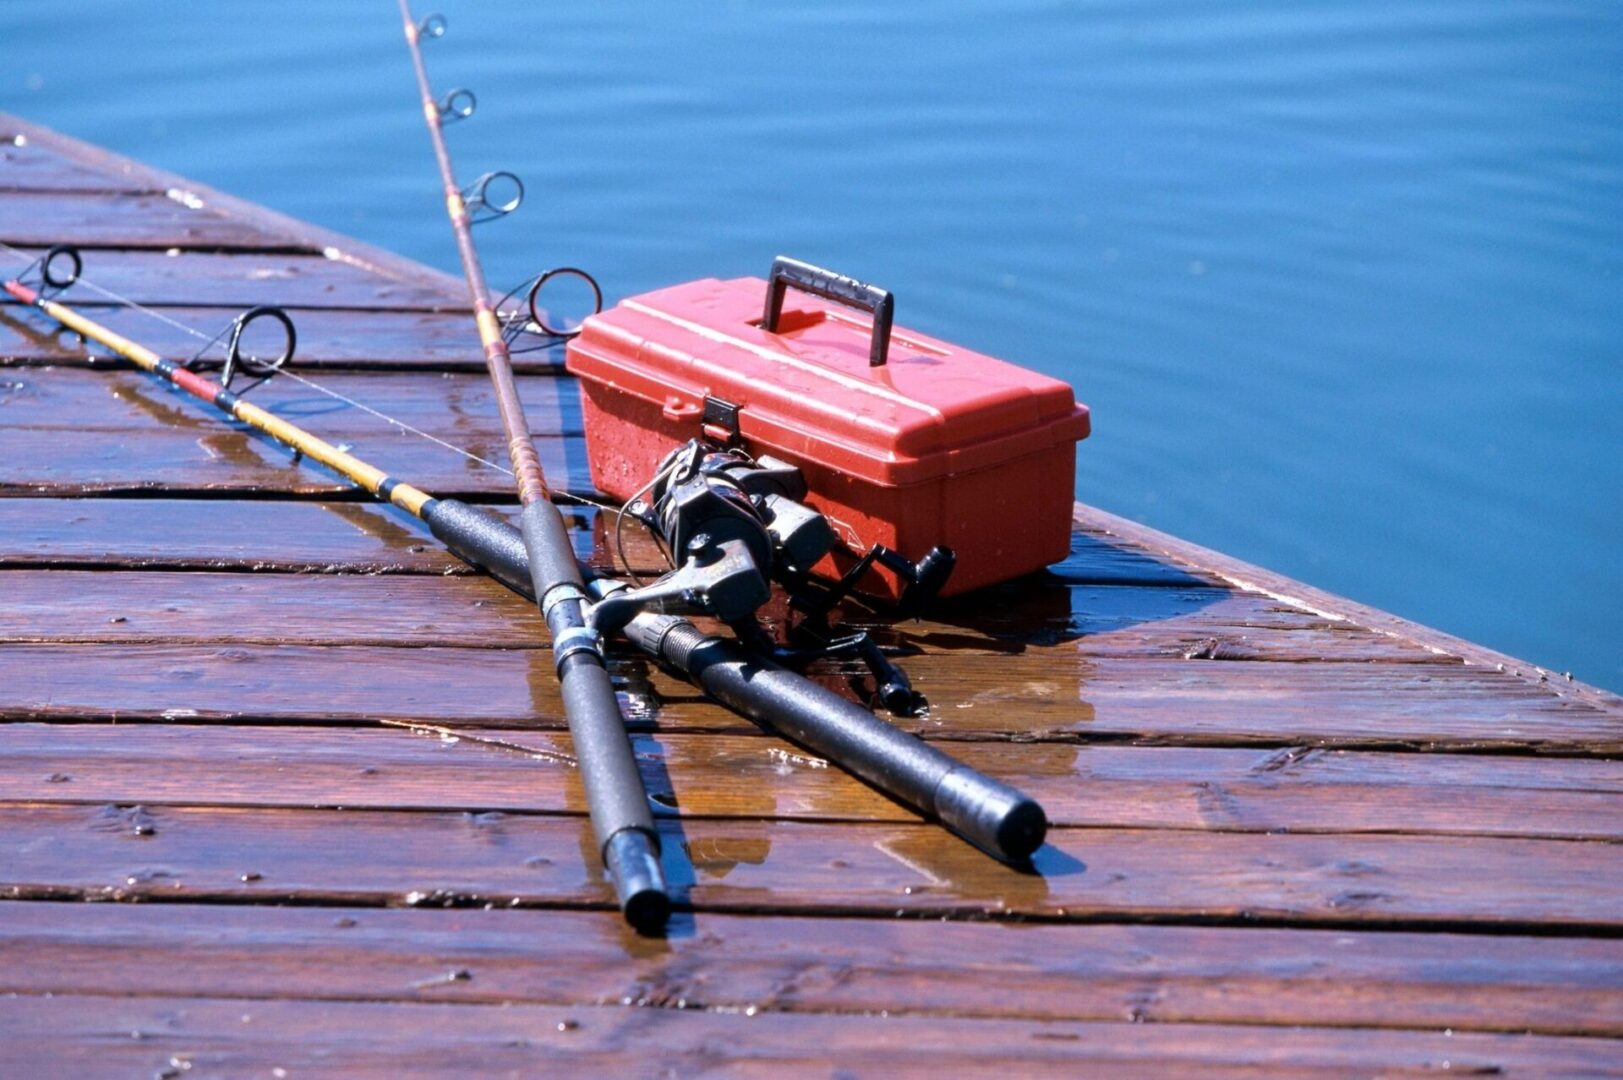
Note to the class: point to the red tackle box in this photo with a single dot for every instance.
(904, 440)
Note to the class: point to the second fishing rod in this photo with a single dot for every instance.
(618, 804)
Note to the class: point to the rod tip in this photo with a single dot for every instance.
(633, 864)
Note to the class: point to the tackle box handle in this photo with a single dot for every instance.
(831, 286)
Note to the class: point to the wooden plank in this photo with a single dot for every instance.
(226, 460)
(348, 536)
(746, 776)
(1154, 974)
(1040, 695)
(1122, 621)
(1110, 528)
(241, 281)
(106, 220)
(391, 858)
(250, 534)
(244, 534)
(85, 431)
(26, 166)
(120, 1037)
(365, 257)
(1059, 693)
(449, 406)
(438, 341)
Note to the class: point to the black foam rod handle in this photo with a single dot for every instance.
(997, 818)
(616, 799)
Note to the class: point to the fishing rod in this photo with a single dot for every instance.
(993, 815)
(626, 839)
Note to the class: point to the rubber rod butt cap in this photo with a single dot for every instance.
(990, 814)
(633, 864)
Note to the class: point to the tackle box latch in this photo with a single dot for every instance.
(720, 422)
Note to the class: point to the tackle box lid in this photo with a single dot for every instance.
(812, 390)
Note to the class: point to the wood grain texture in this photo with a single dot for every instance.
(1109, 528)
(391, 858)
(76, 431)
(374, 261)
(1115, 621)
(451, 406)
(750, 776)
(100, 220)
(1145, 974)
(364, 538)
(354, 340)
(209, 279)
(1037, 696)
(26, 166)
(237, 462)
(118, 1037)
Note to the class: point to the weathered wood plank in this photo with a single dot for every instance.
(250, 534)
(97, 220)
(1058, 692)
(1155, 974)
(1110, 529)
(240, 281)
(83, 431)
(449, 406)
(387, 857)
(1123, 621)
(746, 776)
(349, 536)
(26, 166)
(327, 339)
(119, 1037)
(227, 459)
(1041, 694)
(195, 534)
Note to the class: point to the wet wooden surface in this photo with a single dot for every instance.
(315, 773)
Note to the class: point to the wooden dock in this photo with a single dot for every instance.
(1293, 836)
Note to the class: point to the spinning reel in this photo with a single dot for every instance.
(731, 525)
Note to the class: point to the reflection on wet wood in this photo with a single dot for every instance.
(1162, 974)
(124, 534)
(346, 610)
(750, 775)
(1056, 695)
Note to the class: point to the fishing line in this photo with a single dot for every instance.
(135, 305)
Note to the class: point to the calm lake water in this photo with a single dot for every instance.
(1342, 282)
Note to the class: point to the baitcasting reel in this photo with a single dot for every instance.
(731, 525)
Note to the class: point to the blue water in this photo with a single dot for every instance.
(1342, 281)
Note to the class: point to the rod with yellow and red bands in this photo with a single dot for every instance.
(374, 480)
(615, 796)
